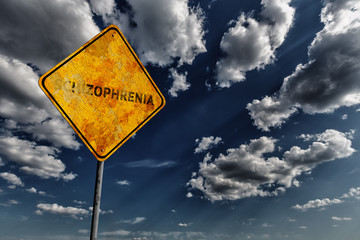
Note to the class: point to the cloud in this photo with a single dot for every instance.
(162, 30)
(123, 183)
(251, 44)
(328, 80)
(353, 192)
(26, 108)
(79, 202)
(341, 218)
(183, 224)
(148, 163)
(34, 190)
(10, 203)
(206, 143)
(317, 203)
(12, 179)
(115, 233)
(102, 212)
(20, 96)
(103, 8)
(34, 159)
(134, 221)
(30, 30)
(250, 171)
(56, 131)
(179, 83)
(56, 209)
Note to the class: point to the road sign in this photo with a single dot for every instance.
(104, 92)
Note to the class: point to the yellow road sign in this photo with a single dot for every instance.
(103, 91)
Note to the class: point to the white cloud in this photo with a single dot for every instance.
(79, 202)
(353, 192)
(206, 143)
(9, 203)
(56, 131)
(123, 183)
(317, 203)
(30, 30)
(251, 44)
(20, 96)
(329, 79)
(269, 112)
(148, 163)
(12, 179)
(31, 190)
(344, 117)
(179, 83)
(26, 108)
(33, 159)
(321, 203)
(162, 32)
(34, 190)
(134, 221)
(103, 8)
(115, 233)
(183, 224)
(165, 30)
(56, 209)
(246, 172)
(84, 231)
(341, 218)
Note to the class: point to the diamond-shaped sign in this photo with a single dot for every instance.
(104, 92)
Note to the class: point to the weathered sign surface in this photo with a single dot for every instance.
(104, 92)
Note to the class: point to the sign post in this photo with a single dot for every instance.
(105, 94)
(97, 198)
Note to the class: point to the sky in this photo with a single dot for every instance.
(258, 139)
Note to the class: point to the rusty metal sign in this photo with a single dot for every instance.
(103, 91)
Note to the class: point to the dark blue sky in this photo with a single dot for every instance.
(258, 138)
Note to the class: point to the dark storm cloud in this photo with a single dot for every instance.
(44, 32)
(246, 172)
(329, 80)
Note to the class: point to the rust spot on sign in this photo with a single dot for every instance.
(104, 92)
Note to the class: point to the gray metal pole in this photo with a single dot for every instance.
(97, 198)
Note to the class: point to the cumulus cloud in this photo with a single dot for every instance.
(12, 179)
(30, 30)
(206, 143)
(162, 30)
(328, 80)
(320, 203)
(251, 44)
(317, 203)
(179, 84)
(76, 213)
(34, 159)
(249, 171)
(34, 190)
(353, 192)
